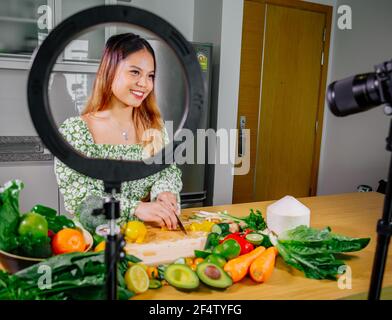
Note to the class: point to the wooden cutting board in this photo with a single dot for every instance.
(161, 246)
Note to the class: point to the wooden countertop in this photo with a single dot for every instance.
(353, 214)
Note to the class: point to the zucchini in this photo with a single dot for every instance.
(221, 228)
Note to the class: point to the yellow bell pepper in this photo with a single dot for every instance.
(135, 231)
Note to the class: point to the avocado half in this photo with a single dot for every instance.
(213, 275)
(181, 276)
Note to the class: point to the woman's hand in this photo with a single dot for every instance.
(169, 200)
(156, 212)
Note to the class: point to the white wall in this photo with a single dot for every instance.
(353, 149)
(230, 59)
(178, 12)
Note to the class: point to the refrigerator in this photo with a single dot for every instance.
(170, 91)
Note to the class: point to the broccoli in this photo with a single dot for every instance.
(85, 212)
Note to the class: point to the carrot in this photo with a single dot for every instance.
(261, 268)
(238, 267)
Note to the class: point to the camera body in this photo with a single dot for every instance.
(362, 92)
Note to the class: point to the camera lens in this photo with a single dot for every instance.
(354, 94)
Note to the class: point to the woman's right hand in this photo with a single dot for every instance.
(156, 212)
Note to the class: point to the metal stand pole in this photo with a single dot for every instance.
(112, 211)
(114, 243)
(384, 231)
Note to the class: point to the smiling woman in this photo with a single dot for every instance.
(122, 120)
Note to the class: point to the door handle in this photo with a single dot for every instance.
(242, 137)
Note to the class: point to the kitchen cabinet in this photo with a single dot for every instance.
(23, 24)
(27, 22)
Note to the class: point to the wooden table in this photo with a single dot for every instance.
(354, 214)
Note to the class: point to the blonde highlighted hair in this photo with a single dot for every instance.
(147, 118)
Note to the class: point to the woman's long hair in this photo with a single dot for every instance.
(147, 118)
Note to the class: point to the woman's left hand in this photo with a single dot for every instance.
(169, 200)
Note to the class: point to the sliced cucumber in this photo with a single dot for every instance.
(220, 228)
(255, 238)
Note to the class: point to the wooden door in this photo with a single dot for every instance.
(286, 119)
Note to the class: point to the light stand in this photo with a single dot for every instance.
(384, 231)
(353, 95)
(114, 243)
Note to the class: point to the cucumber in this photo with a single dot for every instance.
(154, 284)
(255, 238)
(220, 228)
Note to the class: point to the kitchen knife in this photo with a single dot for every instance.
(179, 220)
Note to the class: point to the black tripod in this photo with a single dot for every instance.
(384, 231)
(114, 243)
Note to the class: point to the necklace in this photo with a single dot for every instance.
(124, 133)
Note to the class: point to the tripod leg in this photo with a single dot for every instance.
(379, 266)
(111, 265)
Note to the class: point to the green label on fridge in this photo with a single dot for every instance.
(203, 60)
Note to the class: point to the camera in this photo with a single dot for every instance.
(362, 92)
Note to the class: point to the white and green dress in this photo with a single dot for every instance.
(75, 186)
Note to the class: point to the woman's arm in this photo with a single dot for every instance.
(169, 179)
(76, 187)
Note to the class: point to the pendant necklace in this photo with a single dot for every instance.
(124, 133)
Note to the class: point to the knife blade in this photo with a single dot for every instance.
(181, 225)
(179, 220)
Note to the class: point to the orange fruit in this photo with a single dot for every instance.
(68, 240)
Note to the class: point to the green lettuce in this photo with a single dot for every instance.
(9, 214)
(313, 251)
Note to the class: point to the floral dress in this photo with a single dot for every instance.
(75, 186)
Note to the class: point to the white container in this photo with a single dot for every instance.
(287, 213)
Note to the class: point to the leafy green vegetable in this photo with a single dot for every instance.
(312, 251)
(212, 241)
(308, 241)
(255, 220)
(9, 214)
(161, 271)
(35, 247)
(85, 212)
(73, 276)
(55, 222)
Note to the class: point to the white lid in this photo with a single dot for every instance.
(288, 206)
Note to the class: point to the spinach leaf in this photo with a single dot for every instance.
(318, 266)
(312, 251)
(308, 241)
(9, 214)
